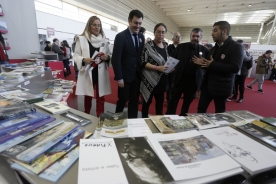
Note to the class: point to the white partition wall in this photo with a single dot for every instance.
(22, 29)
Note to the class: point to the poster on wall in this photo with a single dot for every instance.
(256, 54)
(1, 10)
(7, 45)
(3, 27)
(50, 31)
(42, 39)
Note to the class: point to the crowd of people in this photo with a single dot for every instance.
(216, 72)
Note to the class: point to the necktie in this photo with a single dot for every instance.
(136, 43)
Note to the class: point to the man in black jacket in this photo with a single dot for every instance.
(187, 74)
(171, 50)
(126, 64)
(225, 61)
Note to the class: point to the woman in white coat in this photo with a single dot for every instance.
(93, 76)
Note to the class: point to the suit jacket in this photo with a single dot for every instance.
(171, 49)
(125, 60)
(182, 54)
(56, 49)
(219, 77)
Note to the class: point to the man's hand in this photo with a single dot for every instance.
(198, 61)
(121, 84)
(206, 62)
(88, 60)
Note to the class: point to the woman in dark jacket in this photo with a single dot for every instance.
(154, 80)
(48, 46)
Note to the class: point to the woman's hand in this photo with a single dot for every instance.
(88, 60)
(104, 57)
(161, 68)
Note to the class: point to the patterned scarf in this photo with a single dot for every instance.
(150, 78)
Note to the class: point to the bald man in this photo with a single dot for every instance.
(176, 40)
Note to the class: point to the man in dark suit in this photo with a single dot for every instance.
(126, 63)
(225, 61)
(187, 75)
(56, 49)
(171, 50)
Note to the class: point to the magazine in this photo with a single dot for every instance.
(140, 162)
(249, 153)
(269, 120)
(29, 135)
(190, 153)
(7, 126)
(164, 129)
(246, 115)
(54, 172)
(55, 153)
(22, 96)
(52, 107)
(15, 110)
(200, 121)
(265, 126)
(29, 150)
(16, 133)
(75, 118)
(178, 125)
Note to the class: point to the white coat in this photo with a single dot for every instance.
(85, 82)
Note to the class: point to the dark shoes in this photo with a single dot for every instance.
(249, 87)
(260, 91)
(239, 101)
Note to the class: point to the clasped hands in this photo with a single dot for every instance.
(204, 63)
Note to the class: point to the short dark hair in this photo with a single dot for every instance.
(160, 24)
(197, 30)
(55, 39)
(240, 41)
(268, 52)
(223, 25)
(47, 42)
(136, 13)
(142, 30)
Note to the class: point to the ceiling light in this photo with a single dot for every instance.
(249, 5)
(188, 9)
(245, 37)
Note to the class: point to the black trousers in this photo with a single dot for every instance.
(206, 98)
(130, 94)
(239, 85)
(169, 91)
(273, 75)
(159, 100)
(188, 91)
(66, 65)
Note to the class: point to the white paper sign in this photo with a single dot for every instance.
(189, 155)
(138, 128)
(99, 162)
(171, 63)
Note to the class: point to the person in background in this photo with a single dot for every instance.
(171, 50)
(263, 64)
(97, 78)
(225, 61)
(56, 49)
(3, 53)
(273, 72)
(126, 64)
(67, 57)
(187, 75)
(75, 64)
(176, 40)
(241, 75)
(154, 80)
(48, 46)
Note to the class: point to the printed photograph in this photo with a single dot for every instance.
(194, 149)
(245, 115)
(140, 162)
(3, 27)
(1, 10)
